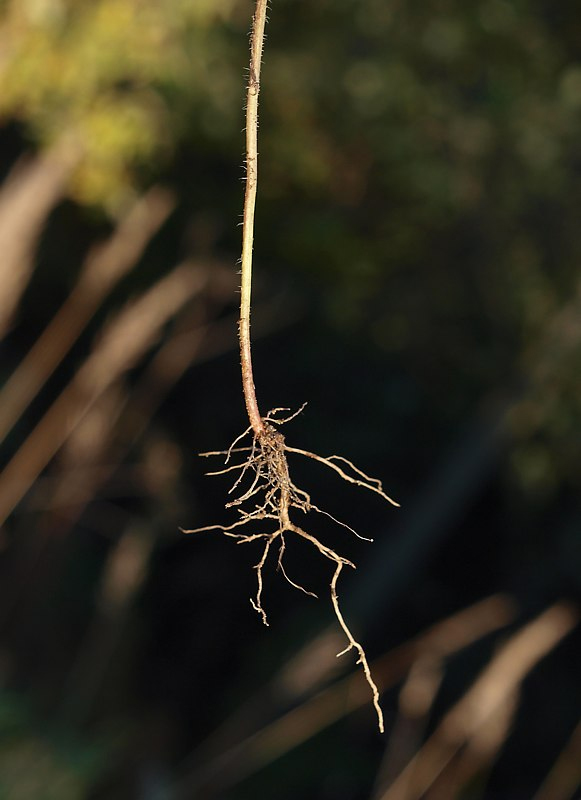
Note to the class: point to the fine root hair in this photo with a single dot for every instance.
(264, 493)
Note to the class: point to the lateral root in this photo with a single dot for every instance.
(264, 491)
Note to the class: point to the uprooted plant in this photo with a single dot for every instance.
(263, 490)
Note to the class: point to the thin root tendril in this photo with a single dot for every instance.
(272, 495)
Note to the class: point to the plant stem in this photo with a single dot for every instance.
(256, 43)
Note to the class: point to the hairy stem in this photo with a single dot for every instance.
(253, 89)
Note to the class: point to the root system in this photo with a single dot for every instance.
(263, 492)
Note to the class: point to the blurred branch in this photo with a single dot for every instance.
(28, 195)
(416, 698)
(478, 754)
(124, 341)
(228, 756)
(495, 687)
(123, 576)
(129, 413)
(104, 267)
(565, 776)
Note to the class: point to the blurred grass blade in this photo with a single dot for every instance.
(416, 699)
(565, 776)
(123, 342)
(478, 756)
(29, 194)
(226, 758)
(494, 688)
(104, 267)
(123, 575)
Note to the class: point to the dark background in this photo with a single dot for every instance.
(417, 262)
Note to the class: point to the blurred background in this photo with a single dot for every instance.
(418, 284)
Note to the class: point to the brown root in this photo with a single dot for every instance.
(270, 495)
